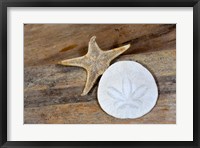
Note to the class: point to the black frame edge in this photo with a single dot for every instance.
(100, 3)
(3, 85)
(196, 80)
(1, 97)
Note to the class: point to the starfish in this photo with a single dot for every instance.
(95, 62)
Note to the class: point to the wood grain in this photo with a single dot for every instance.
(47, 44)
(91, 113)
(52, 92)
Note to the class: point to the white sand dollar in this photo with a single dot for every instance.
(127, 90)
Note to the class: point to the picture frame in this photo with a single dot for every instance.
(4, 143)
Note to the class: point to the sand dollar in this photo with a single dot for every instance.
(127, 90)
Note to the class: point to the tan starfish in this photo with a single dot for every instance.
(96, 61)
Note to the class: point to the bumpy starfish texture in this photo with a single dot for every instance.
(95, 62)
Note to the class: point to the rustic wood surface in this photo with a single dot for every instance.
(52, 92)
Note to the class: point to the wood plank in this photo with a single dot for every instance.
(51, 84)
(52, 92)
(90, 113)
(49, 43)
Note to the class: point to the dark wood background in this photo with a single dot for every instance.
(52, 92)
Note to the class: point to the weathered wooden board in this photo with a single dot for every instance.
(52, 92)
(47, 44)
(90, 112)
(55, 84)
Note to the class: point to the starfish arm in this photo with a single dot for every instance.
(113, 53)
(93, 47)
(73, 62)
(91, 79)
